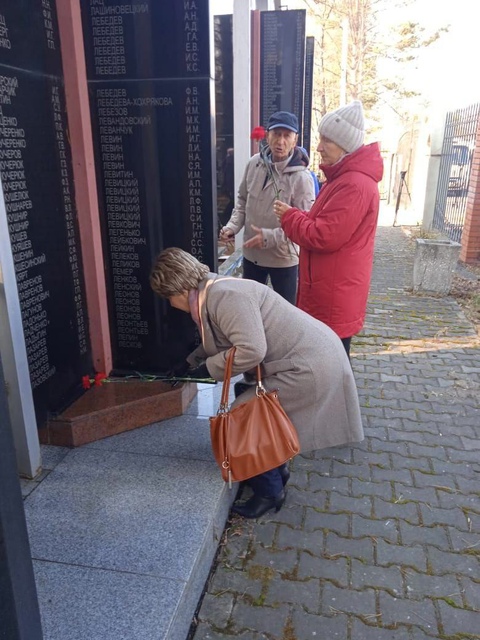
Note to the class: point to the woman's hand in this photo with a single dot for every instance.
(256, 241)
(200, 372)
(280, 208)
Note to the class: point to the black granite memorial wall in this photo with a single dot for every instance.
(308, 100)
(36, 171)
(151, 95)
(282, 63)
(223, 38)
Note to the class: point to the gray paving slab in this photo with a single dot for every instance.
(80, 602)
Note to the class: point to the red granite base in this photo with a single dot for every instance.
(114, 408)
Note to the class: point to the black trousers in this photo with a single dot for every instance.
(268, 484)
(284, 279)
(346, 344)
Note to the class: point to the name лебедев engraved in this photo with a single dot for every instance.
(109, 54)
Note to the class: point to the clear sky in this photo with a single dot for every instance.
(219, 7)
(447, 70)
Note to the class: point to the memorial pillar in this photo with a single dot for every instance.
(255, 81)
(78, 108)
(242, 126)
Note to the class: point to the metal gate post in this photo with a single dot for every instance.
(437, 132)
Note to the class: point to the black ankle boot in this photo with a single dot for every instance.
(241, 488)
(257, 506)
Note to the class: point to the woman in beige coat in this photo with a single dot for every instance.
(299, 355)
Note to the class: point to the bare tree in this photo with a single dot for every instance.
(378, 62)
(368, 43)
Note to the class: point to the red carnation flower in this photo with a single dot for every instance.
(258, 133)
(86, 382)
(99, 378)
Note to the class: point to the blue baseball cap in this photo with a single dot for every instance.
(283, 119)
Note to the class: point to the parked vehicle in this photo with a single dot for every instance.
(461, 160)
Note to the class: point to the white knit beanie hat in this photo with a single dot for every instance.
(345, 126)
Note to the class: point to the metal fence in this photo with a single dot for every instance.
(455, 165)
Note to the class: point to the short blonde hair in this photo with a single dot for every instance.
(176, 271)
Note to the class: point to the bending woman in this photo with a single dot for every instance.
(299, 355)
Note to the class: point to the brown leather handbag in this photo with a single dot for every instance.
(255, 436)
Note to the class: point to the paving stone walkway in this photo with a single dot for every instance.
(380, 541)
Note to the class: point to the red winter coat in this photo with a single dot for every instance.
(336, 239)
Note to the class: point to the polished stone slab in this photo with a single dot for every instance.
(114, 408)
(123, 533)
(126, 512)
(51, 455)
(81, 602)
(186, 437)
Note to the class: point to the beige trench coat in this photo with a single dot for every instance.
(300, 356)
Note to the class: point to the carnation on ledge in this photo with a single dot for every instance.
(97, 380)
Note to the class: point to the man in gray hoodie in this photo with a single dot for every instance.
(279, 172)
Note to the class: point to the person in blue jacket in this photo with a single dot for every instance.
(316, 184)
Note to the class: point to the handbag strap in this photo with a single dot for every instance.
(227, 376)
(226, 381)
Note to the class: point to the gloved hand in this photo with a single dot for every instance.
(178, 370)
(199, 372)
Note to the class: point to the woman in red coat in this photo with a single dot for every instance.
(336, 237)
